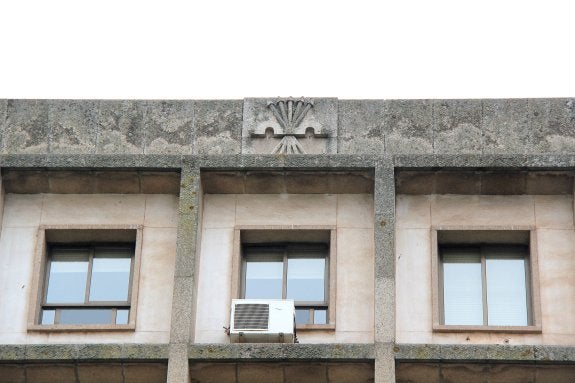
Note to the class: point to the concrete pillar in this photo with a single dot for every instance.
(384, 202)
(183, 306)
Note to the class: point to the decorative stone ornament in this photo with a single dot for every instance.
(285, 126)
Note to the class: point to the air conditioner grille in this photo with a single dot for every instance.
(251, 316)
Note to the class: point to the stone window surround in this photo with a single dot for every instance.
(71, 233)
(287, 234)
(535, 301)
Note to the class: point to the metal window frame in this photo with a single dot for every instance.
(73, 235)
(285, 253)
(326, 234)
(532, 281)
(92, 248)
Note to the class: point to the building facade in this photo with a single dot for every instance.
(420, 240)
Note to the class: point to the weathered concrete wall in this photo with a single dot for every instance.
(511, 126)
(23, 215)
(351, 214)
(552, 218)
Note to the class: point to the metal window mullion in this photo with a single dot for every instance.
(326, 282)
(57, 313)
(484, 287)
(311, 317)
(114, 315)
(284, 276)
(528, 293)
(47, 277)
(89, 276)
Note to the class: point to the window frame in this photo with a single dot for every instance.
(317, 251)
(92, 248)
(83, 236)
(504, 236)
(270, 235)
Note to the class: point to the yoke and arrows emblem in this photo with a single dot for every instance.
(289, 114)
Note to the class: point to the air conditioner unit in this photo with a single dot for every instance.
(262, 321)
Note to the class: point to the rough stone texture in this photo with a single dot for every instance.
(560, 133)
(408, 126)
(361, 127)
(3, 108)
(178, 366)
(500, 126)
(384, 203)
(73, 126)
(26, 126)
(268, 352)
(526, 353)
(217, 127)
(505, 126)
(457, 126)
(100, 351)
(12, 352)
(81, 351)
(120, 127)
(384, 363)
(169, 127)
(257, 117)
(538, 122)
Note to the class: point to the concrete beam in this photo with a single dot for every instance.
(281, 352)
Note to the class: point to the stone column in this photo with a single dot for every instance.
(183, 306)
(384, 202)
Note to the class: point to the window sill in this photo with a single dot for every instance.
(508, 329)
(313, 327)
(79, 327)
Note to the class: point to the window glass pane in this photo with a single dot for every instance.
(86, 316)
(110, 276)
(48, 316)
(320, 316)
(67, 279)
(122, 316)
(306, 279)
(264, 279)
(462, 287)
(506, 290)
(302, 316)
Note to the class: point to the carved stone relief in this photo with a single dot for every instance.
(289, 126)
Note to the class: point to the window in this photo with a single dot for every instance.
(87, 285)
(85, 278)
(288, 262)
(485, 285)
(485, 279)
(289, 271)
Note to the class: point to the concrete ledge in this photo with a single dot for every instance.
(301, 162)
(539, 161)
(281, 352)
(92, 161)
(483, 353)
(83, 352)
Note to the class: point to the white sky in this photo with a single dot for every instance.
(257, 48)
